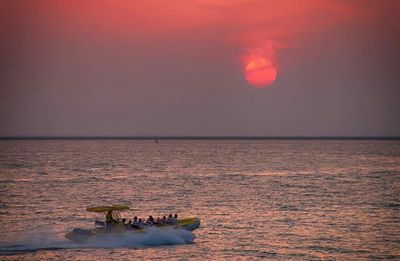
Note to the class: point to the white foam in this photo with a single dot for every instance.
(151, 237)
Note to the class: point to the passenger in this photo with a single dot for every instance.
(158, 221)
(150, 221)
(123, 221)
(170, 219)
(140, 223)
(164, 220)
(135, 222)
(175, 219)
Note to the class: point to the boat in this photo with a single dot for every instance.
(79, 235)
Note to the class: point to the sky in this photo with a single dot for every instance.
(200, 68)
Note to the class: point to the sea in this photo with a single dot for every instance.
(256, 199)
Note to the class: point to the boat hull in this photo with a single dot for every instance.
(78, 235)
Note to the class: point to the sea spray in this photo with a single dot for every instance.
(150, 237)
(33, 241)
(47, 240)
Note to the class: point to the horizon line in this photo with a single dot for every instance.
(183, 137)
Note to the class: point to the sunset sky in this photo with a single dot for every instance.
(200, 67)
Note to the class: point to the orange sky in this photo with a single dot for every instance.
(259, 29)
(84, 67)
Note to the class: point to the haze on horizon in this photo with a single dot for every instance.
(200, 68)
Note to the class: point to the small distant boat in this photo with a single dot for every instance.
(101, 228)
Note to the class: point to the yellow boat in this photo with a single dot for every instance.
(79, 235)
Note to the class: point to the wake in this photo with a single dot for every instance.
(45, 240)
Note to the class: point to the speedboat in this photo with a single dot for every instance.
(79, 235)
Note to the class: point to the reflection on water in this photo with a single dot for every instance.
(256, 199)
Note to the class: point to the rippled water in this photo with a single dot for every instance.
(256, 199)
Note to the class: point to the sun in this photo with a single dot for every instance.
(260, 72)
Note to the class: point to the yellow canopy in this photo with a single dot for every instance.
(107, 208)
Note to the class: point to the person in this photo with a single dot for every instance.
(175, 219)
(170, 219)
(123, 221)
(164, 220)
(140, 223)
(128, 225)
(109, 218)
(150, 221)
(136, 223)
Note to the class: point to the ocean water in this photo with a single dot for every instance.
(287, 200)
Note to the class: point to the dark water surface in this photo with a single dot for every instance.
(256, 199)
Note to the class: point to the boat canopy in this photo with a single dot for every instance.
(108, 208)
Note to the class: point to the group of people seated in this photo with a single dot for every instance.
(141, 223)
(150, 221)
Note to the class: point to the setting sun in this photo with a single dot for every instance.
(260, 72)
